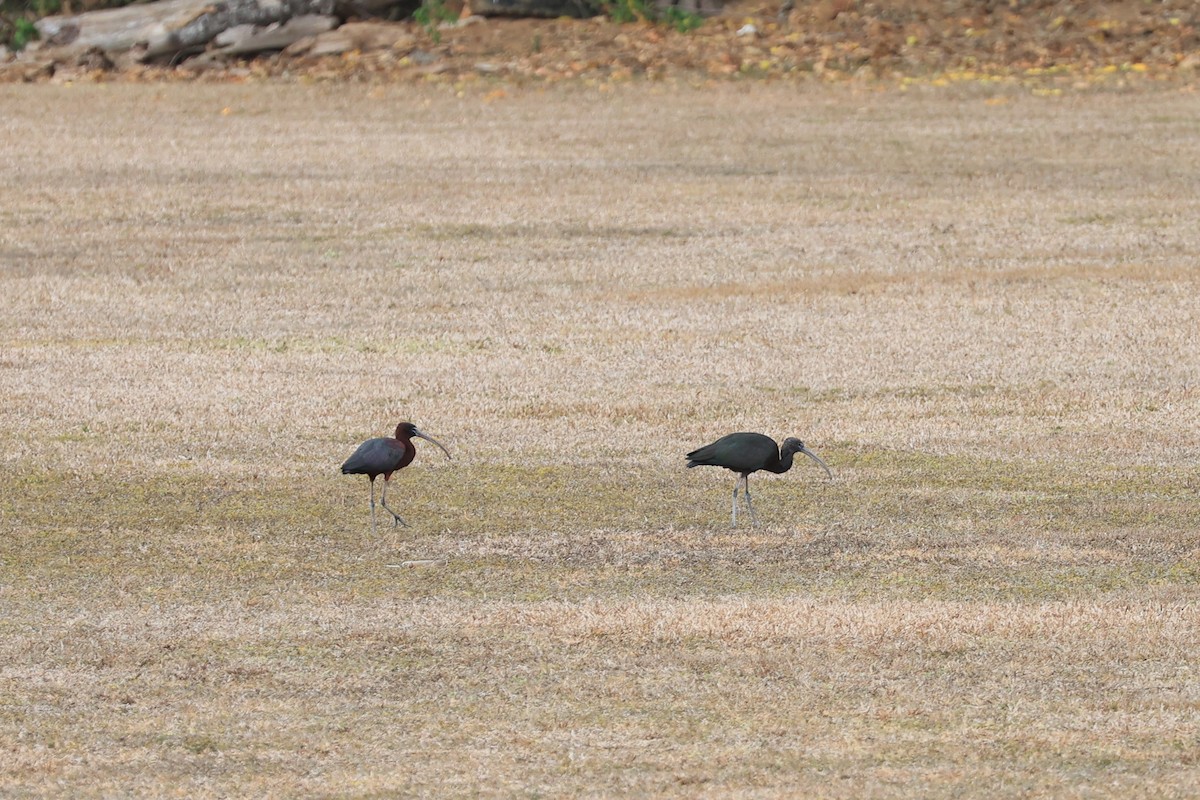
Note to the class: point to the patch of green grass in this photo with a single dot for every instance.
(17, 19)
(628, 11)
(198, 744)
(431, 14)
(681, 19)
(895, 524)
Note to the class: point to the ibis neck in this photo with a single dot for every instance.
(781, 464)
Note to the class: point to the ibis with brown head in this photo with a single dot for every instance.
(383, 456)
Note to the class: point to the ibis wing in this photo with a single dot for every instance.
(373, 457)
(700, 456)
(741, 452)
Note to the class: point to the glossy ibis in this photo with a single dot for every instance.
(745, 453)
(383, 456)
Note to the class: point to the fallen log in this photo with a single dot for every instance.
(246, 39)
(355, 36)
(170, 28)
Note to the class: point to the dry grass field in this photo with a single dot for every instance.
(980, 308)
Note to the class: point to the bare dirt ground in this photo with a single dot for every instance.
(977, 304)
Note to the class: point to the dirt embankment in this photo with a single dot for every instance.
(1069, 40)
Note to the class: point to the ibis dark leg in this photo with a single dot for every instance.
(749, 505)
(737, 484)
(372, 505)
(383, 502)
(743, 481)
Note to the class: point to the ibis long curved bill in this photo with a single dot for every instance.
(817, 459)
(429, 438)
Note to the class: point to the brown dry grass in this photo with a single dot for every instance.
(981, 310)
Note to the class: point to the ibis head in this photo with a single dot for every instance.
(405, 431)
(791, 446)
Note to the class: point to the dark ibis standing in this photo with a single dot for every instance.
(383, 456)
(749, 452)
